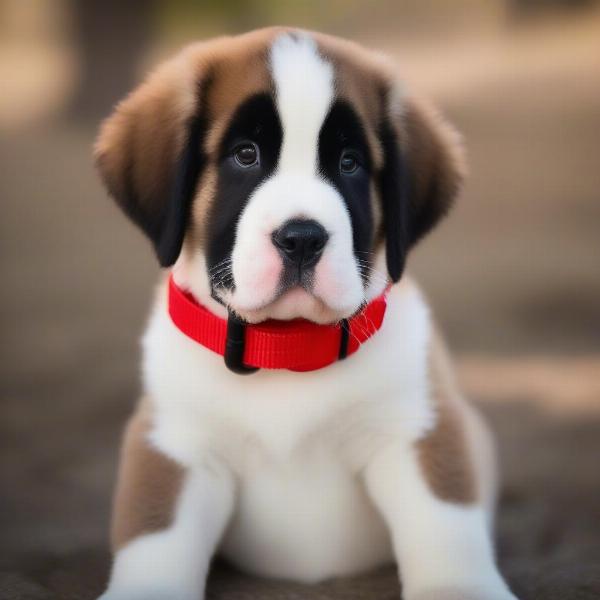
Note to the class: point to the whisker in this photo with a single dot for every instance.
(221, 270)
(378, 277)
(222, 263)
(222, 278)
(373, 271)
(354, 337)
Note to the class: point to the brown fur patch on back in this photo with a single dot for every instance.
(444, 454)
(148, 485)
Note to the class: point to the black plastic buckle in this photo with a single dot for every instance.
(345, 335)
(234, 346)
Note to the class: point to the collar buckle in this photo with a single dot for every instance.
(235, 344)
(344, 336)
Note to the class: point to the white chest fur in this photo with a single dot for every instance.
(294, 441)
(200, 406)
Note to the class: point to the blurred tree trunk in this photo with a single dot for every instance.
(110, 38)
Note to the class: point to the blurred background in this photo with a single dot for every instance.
(513, 275)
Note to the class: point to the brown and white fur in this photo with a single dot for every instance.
(310, 475)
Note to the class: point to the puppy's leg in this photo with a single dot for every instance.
(436, 498)
(167, 522)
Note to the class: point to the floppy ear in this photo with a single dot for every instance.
(149, 152)
(422, 173)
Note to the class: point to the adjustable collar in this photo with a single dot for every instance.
(297, 345)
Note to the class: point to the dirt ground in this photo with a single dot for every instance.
(513, 276)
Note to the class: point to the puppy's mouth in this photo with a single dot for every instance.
(292, 300)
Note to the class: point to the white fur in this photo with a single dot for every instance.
(326, 480)
(296, 445)
(185, 378)
(174, 563)
(284, 196)
(304, 92)
(439, 545)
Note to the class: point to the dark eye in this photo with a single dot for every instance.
(348, 162)
(246, 155)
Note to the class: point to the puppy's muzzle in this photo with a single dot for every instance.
(300, 244)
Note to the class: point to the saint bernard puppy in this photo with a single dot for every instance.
(299, 415)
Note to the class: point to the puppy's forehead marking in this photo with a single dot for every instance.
(304, 86)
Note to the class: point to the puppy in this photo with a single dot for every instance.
(299, 415)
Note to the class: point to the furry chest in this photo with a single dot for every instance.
(305, 518)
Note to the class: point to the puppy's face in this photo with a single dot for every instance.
(280, 171)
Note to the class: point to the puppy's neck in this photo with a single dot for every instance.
(190, 273)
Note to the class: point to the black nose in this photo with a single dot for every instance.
(300, 241)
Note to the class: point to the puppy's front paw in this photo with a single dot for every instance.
(462, 594)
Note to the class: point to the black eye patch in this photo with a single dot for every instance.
(345, 161)
(254, 124)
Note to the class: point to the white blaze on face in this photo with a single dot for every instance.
(304, 92)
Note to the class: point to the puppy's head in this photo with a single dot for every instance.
(285, 174)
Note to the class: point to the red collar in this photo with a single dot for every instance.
(297, 345)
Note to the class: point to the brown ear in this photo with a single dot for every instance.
(437, 165)
(422, 174)
(149, 151)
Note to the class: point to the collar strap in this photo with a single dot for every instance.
(297, 345)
